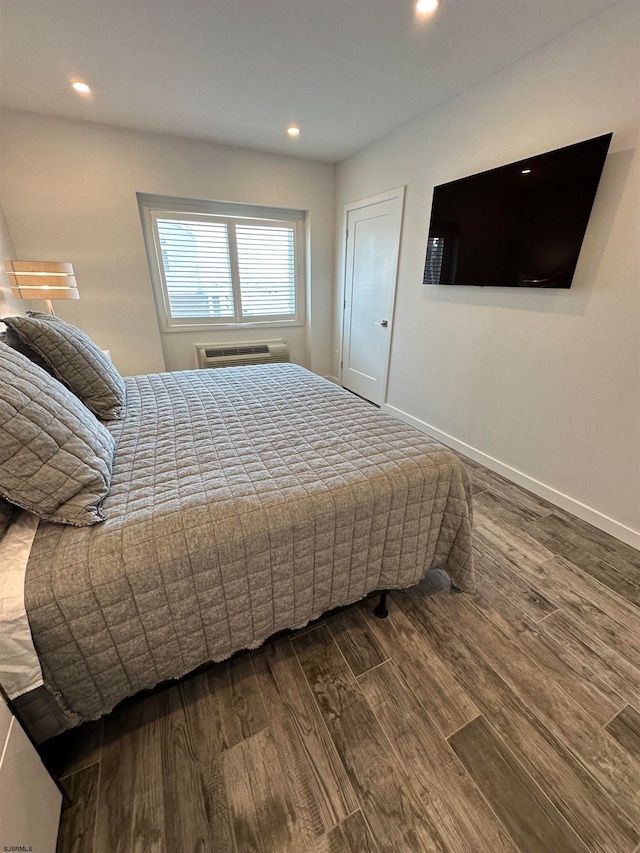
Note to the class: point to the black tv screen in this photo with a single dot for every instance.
(520, 225)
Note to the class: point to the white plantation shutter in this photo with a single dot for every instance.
(266, 264)
(197, 268)
(212, 269)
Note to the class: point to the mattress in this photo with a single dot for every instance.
(19, 665)
(243, 501)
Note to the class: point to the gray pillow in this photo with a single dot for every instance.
(14, 340)
(55, 457)
(74, 359)
(7, 511)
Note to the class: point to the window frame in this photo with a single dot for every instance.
(200, 210)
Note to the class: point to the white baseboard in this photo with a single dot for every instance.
(586, 513)
(333, 379)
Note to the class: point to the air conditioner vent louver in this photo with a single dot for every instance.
(228, 355)
(248, 350)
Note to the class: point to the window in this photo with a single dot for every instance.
(220, 264)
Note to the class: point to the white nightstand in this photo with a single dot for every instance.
(30, 801)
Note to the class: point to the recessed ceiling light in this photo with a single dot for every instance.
(293, 130)
(526, 171)
(423, 6)
(81, 87)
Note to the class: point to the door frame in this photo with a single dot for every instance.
(388, 195)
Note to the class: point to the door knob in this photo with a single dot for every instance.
(383, 323)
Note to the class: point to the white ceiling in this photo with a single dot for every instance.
(240, 71)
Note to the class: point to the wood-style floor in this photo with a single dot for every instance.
(504, 721)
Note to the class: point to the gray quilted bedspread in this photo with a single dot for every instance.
(243, 501)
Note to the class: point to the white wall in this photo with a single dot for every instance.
(8, 305)
(69, 193)
(546, 383)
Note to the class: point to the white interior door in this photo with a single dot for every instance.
(373, 242)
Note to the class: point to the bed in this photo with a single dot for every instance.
(243, 501)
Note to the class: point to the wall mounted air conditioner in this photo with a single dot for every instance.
(233, 355)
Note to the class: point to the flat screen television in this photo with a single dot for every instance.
(520, 225)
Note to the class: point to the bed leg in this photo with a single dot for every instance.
(380, 610)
